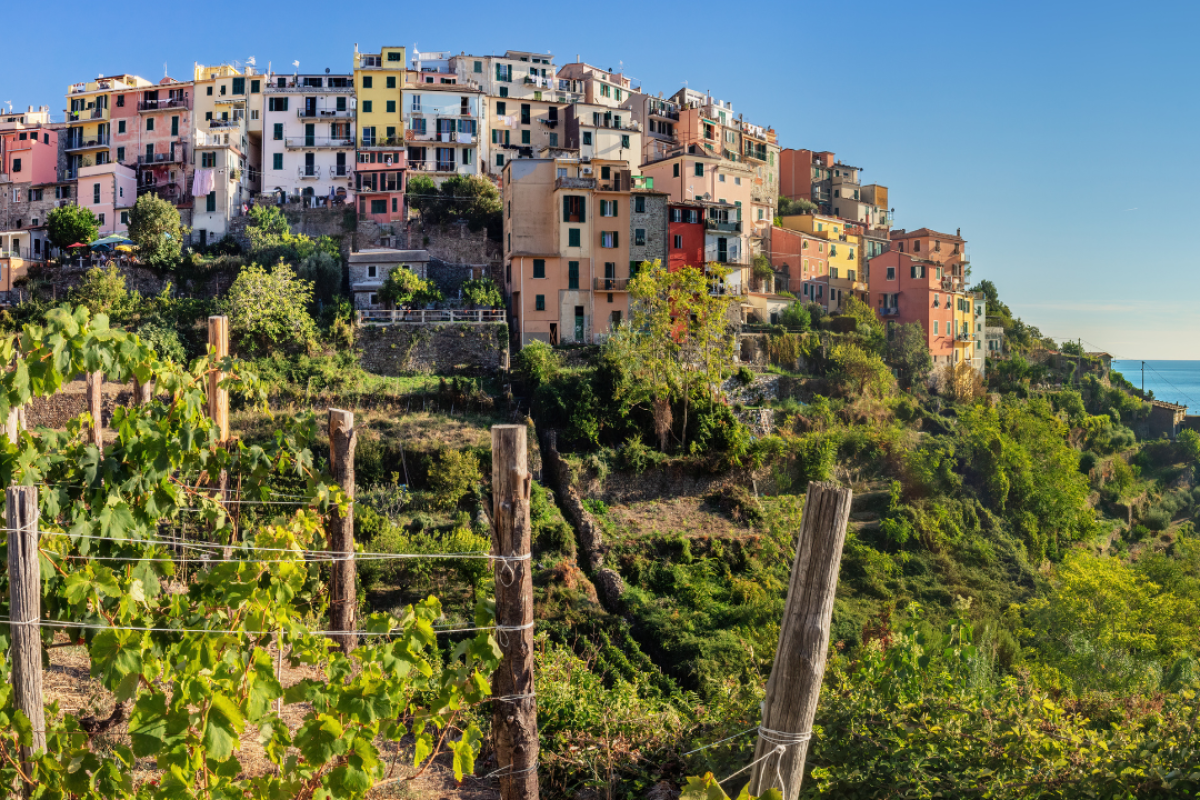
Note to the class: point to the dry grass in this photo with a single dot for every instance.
(68, 683)
(687, 516)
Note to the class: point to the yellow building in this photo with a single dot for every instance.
(378, 87)
(88, 114)
(846, 263)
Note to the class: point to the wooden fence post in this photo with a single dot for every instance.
(795, 682)
(218, 398)
(344, 599)
(15, 423)
(514, 718)
(95, 405)
(25, 610)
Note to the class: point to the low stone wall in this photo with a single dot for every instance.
(70, 401)
(449, 349)
(557, 476)
(669, 481)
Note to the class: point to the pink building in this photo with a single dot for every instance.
(29, 155)
(379, 180)
(152, 126)
(109, 190)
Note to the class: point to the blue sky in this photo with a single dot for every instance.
(1057, 136)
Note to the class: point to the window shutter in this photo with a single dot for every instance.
(615, 211)
(583, 209)
(566, 209)
(616, 239)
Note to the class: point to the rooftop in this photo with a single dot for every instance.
(388, 254)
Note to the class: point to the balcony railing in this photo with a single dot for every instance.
(292, 87)
(433, 166)
(889, 311)
(317, 141)
(325, 113)
(162, 158)
(225, 124)
(214, 139)
(611, 284)
(89, 144)
(426, 316)
(723, 226)
(575, 183)
(394, 141)
(167, 191)
(341, 171)
(163, 105)
(308, 172)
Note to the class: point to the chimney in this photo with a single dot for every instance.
(959, 234)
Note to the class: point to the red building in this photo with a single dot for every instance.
(908, 288)
(29, 155)
(804, 258)
(152, 133)
(685, 235)
(379, 179)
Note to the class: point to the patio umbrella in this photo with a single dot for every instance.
(77, 244)
(124, 248)
(112, 240)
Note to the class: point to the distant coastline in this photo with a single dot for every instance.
(1172, 381)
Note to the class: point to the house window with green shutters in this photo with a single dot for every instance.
(391, 82)
(574, 208)
(277, 161)
(379, 206)
(149, 123)
(539, 268)
(120, 156)
(210, 202)
(501, 108)
(573, 238)
(255, 87)
(239, 85)
(277, 132)
(639, 205)
(524, 137)
(609, 239)
(699, 170)
(573, 273)
(554, 140)
(625, 141)
(367, 106)
(208, 160)
(539, 303)
(394, 56)
(500, 160)
(478, 66)
(391, 106)
(367, 82)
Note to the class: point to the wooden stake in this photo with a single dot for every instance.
(15, 423)
(218, 398)
(342, 441)
(95, 404)
(142, 392)
(795, 682)
(514, 722)
(25, 610)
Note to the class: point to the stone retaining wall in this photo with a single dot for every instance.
(449, 349)
(69, 402)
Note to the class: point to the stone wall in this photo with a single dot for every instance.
(339, 222)
(456, 244)
(448, 349)
(212, 283)
(654, 222)
(70, 401)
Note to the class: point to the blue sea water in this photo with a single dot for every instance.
(1173, 381)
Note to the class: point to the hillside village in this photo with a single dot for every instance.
(691, 323)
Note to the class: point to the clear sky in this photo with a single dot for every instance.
(1060, 137)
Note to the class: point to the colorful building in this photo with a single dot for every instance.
(109, 190)
(442, 124)
(227, 124)
(801, 258)
(379, 96)
(838, 253)
(89, 124)
(685, 234)
(309, 146)
(567, 252)
(152, 134)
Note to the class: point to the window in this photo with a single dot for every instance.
(391, 82)
(891, 273)
(539, 302)
(935, 327)
(554, 140)
(478, 66)
(95, 194)
(277, 104)
(699, 170)
(608, 239)
(917, 246)
(210, 91)
(524, 113)
(605, 173)
(208, 160)
(639, 236)
(608, 208)
(278, 132)
(125, 218)
(120, 154)
(721, 178)
(639, 204)
(524, 137)
(207, 116)
(587, 137)
(539, 268)
(761, 214)
(501, 108)
(572, 274)
(737, 181)
(573, 237)
(504, 91)
(379, 206)
(917, 271)
(499, 160)
(366, 106)
(120, 126)
(367, 82)
(16, 165)
(678, 242)
(101, 217)
(574, 209)
(391, 106)
(393, 56)
(625, 141)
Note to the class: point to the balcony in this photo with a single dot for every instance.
(394, 141)
(433, 166)
(723, 226)
(215, 140)
(341, 171)
(95, 143)
(224, 124)
(294, 88)
(163, 105)
(317, 142)
(325, 113)
(610, 284)
(889, 311)
(664, 113)
(165, 191)
(229, 99)
(174, 157)
(310, 172)
(575, 183)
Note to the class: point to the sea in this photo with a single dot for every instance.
(1172, 381)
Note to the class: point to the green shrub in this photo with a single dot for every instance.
(636, 456)
(454, 475)
(745, 375)
(1087, 462)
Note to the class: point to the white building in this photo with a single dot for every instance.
(442, 127)
(308, 136)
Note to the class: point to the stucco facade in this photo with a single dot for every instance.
(442, 128)
(309, 143)
(152, 134)
(109, 191)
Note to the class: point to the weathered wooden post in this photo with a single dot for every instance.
(218, 398)
(344, 600)
(95, 406)
(25, 610)
(142, 392)
(15, 422)
(795, 682)
(514, 714)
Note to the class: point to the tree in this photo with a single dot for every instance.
(482, 293)
(788, 208)
(962, 382)
(403, 287)
(102, 291)
(156, 231)
(864, 371)
(70, 224)
(796, 317)
(268, 226)
(908, 353)
(870, 327)
(324, 270)
(679, 335)
(269, 310)
(460, 197)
